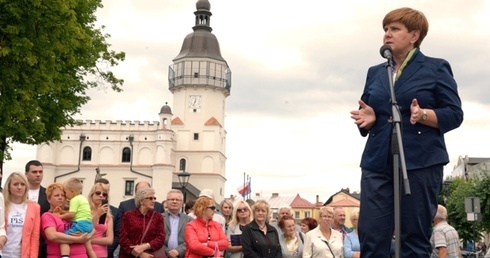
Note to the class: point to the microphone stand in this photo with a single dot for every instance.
(398, 157)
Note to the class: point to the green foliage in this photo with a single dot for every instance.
(482, 186)
(50, 54)
(455, 194)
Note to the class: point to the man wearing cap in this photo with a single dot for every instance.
(217, 216)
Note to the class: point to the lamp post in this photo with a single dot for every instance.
(183, 181)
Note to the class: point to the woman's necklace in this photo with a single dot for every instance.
(263, 228)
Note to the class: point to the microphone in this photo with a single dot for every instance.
(386, 52)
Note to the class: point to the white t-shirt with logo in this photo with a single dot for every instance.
(15, 223)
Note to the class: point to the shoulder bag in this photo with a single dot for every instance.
(329, 248)
(160, 253)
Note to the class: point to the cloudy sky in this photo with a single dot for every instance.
(298, 70)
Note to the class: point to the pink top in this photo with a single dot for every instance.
(48, 219)
(100, 250)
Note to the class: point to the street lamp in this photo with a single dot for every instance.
(183, 181)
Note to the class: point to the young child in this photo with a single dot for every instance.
(79, 214)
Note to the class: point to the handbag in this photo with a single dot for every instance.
(160, 253)
(217, 252)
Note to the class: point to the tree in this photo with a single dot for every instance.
(456, 192)
(51, 53)
(457, 217)
(482, 186)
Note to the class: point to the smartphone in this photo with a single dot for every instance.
(102, 218)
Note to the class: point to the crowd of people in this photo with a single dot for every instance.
(57, 221)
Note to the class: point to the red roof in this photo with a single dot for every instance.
(212, 121)
(299, 202)
(177, 121)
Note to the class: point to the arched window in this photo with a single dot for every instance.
(87, 154)
(182, 165)
(126, 155)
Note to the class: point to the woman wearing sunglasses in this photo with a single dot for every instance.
(241, 216)
(101, 218)
(203, 236)
(142, 233)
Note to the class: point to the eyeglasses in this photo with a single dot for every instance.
(174, 200)
(242, 209)
(99, 193)
(151, 198)
(212, 207)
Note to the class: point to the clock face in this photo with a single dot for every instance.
(195, 101)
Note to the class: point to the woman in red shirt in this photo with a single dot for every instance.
(203, 236)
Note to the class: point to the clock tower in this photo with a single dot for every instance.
(200, 81)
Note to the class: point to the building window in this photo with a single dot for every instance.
(196, 136)
(126, 155)
(87, 154)
(129, 187)
(307, 214)
(182, 164)
(296, 214)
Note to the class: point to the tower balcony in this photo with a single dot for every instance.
(199, 73)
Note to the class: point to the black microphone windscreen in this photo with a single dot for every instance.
(385, 51)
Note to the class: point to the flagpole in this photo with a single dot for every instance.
(248, 180)
(249, 188)
(244, 182)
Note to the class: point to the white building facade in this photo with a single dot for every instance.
(191, 138)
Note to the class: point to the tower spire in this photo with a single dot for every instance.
(203, 16)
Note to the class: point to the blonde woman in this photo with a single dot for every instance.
(101, 218)
(259, 239)
(226, 211)
(352, 247)
(23, 219)
(323, 241)
(241, 216)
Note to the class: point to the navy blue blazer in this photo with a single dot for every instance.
(431, 82)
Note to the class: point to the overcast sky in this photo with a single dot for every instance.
(298, 70)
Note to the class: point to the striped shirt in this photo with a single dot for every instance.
(444, 235)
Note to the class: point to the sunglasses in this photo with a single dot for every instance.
(151, 198)
(99, 193)
(212, 207)
(242, 209)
